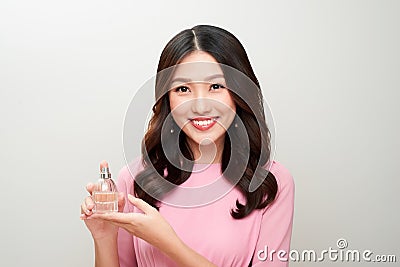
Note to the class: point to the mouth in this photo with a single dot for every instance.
(203, 123)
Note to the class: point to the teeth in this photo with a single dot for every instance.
(203, 123)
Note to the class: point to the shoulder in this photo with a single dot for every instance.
(282, 175)
(284, 199)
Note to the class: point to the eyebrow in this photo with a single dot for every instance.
(186, 80)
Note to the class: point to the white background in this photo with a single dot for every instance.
(69, 69)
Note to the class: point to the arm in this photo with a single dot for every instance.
(106, 252)
(277, 220)
(126, 251)
(116, 250)
(113, 247)
(165, 238)
(104, 233)
(150, 226)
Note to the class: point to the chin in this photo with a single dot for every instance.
(207, 140)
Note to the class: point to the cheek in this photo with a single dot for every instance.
(230, 111)
(173, 102)
(179, 110)
(228, 106)
(232, 106)
(231, 103)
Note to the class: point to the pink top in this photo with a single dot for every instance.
(210, 229)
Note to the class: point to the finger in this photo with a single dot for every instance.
(141, 204)
(89, 203)
(83, 208)
(84, 213)
(90, 187)
(121, 201)
(87, 206)
(97, 218)
(117, 217)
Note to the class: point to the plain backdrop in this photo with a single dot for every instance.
(329, 71)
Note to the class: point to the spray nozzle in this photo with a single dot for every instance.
(104, 170)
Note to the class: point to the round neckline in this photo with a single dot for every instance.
(206, 166)
(207, 163)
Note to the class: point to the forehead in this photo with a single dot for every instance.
(198, 56)
(197, 66)
(197, 71)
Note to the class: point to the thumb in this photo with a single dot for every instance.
(140, 204)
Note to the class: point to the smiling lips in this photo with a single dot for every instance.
(203, 123)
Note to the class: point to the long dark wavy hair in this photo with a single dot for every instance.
(229, 52)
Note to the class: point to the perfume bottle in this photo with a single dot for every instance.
(105, 194)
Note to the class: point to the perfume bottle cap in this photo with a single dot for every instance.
(104, 170)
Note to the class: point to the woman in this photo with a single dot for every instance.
(206, 191)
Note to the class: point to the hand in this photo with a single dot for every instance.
(154, 229)
(149, 225)
(99, 228)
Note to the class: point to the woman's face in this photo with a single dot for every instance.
(200, 102)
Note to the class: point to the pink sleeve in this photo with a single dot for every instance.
(126, 252)
(273, 244)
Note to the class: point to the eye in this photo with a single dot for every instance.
(182, 89)
(217, 86)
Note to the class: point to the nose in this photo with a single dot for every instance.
(201, 105)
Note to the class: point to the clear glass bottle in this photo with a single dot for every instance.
(105, 194)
